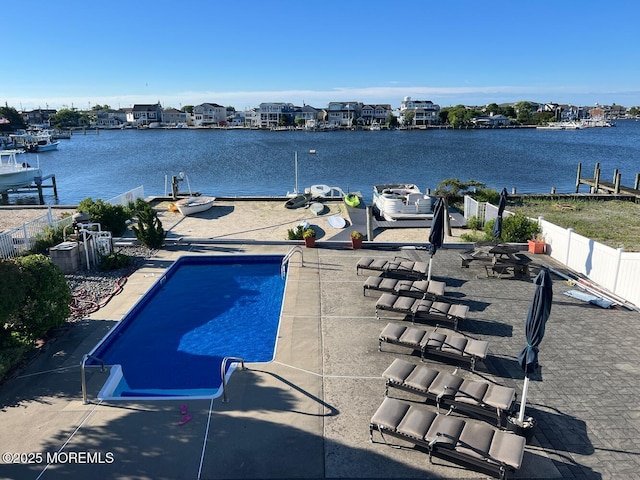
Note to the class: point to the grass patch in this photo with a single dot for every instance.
(614, 223)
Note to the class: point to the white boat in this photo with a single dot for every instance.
(46, 144)
(375, 127)
(401, 201)
(15, 174)
(35, 142)
(565, 125)
(193, 205)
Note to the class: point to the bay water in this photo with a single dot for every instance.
(261, 163)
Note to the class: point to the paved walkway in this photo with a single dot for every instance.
(306, 414)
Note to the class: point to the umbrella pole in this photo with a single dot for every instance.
(525, 390)
(429, 271)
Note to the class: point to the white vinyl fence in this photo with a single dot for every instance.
(19, 240)
(612, 269)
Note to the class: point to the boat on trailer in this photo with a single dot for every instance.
(401, 201)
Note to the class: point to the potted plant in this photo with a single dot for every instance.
(537, 244)
(309, 236)
(356, 239)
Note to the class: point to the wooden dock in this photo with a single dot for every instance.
(37, 185)
(596, 185)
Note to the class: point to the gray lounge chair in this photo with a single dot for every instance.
(437, 311)
(475, 397)
(397, 266)
(466, 441)
(435, 343)
(409, 288)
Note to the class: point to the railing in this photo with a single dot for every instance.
(83, 377)
(287, 257)
(223, 371)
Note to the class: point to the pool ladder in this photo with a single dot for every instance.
(287, 257)
(83, 376)
(223, 371)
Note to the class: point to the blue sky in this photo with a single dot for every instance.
(241, 53)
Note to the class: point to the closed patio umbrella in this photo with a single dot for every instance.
(534, 329)
(436, 235)
(497, 226)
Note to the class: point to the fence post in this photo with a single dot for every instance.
(569, 234)
(618, 264)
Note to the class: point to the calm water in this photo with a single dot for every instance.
(248, 162)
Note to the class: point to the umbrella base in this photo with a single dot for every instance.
(524, 429)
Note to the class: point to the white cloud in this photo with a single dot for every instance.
(445, 96)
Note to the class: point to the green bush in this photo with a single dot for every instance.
(295, 233)
(149, 230)
(49, 237)
(112, 218)
(46, 300)
(474, 223)
(515, 228)
(12, 295)
(114, 261)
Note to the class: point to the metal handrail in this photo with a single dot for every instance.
(223, 369)
(83, 377)
(287, 257)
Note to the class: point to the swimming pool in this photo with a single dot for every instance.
(204, 308)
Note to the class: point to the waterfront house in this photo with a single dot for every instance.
(208, 114)
(491, 121)
(343, 114)
(38, 117)
(375, 114)
(143, 114)
(273, 114)
(425, 112)
(173, 117)
(307, 115)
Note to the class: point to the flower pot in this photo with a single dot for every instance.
(536, 246)
(356, 243)
(310, 241)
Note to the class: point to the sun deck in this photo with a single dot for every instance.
(307, 413)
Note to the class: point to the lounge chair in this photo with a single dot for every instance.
(465, 441)
(435, 343)
(398, 266)
(475, 397)
(410, 288)
(437, 311)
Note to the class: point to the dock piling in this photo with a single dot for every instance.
(578, 176)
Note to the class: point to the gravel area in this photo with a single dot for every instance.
(93, 289)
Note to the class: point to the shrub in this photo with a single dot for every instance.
(295, 233)
(112, 218)
(474, 223)
(515, 228)
(114, 261)
(49, 237)
(47, 297)
(12, 295)
(149, 230)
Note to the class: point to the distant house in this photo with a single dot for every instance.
(173, 117)
(38, 117)
(375, 114)
(307, 115)
(491, 121)
(110, 119)
(425, 112)
(142, 114)
(343, 114)
(273, 113)
(208, 114)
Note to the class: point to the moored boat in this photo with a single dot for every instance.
(15, 174)
(401, 201)
(192, 205)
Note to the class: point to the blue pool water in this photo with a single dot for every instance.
(203, 309)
